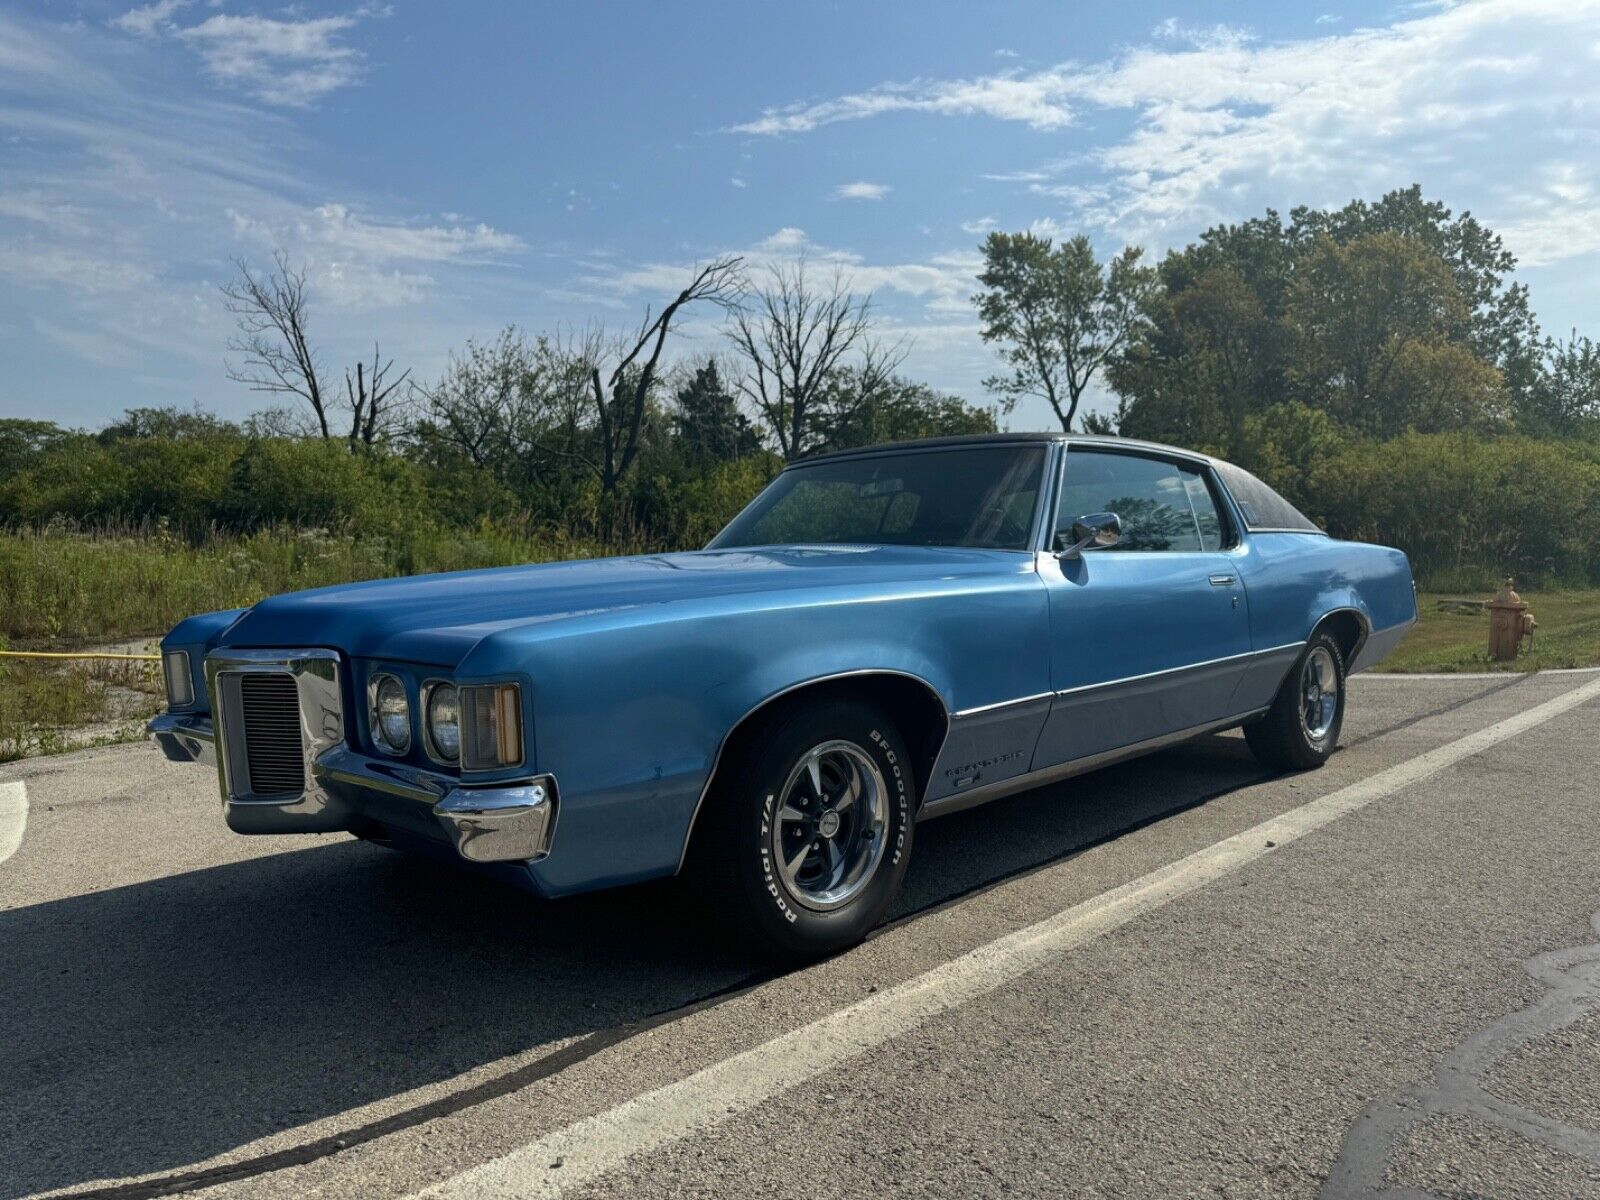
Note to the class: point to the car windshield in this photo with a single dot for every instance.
(979, 496)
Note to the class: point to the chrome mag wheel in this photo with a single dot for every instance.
(1319, 693)
(830, 831)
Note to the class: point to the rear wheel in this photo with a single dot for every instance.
(1302, 727)
(809, 833)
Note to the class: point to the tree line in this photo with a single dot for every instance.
(1359, 359)
(1387, 317)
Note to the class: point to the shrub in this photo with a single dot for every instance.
(1468, 509)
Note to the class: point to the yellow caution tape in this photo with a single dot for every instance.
(61, 654)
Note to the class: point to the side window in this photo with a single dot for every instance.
(1163, 506)
(1207, 520)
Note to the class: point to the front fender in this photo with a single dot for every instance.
(197, 636)
(630, 710)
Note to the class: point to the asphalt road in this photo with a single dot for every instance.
(1178, 977)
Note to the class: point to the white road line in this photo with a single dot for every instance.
(1405, 675)
(13, 817)
(589, 1148)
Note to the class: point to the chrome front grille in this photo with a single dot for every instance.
(274, 751)
(276, 713)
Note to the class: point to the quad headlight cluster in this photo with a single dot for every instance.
(479, 727)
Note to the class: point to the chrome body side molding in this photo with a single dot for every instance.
(998, 705)
(1199, 666)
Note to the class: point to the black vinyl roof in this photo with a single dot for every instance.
(999, 439)
(1262, 508)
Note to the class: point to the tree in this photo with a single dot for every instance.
(374, 413)
(1565, 398)
(169, 423)
(24, 441)
(707, 422)
(619, 404)
(275, 355)
(853, 411)
(503, 404)
(1495, 319)
(1058, 314)
(792, 336)
(272, 312)
(1371, 323)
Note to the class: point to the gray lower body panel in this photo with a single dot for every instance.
(1379, 645)
(1021, 783)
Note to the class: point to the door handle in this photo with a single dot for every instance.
(1222, 581)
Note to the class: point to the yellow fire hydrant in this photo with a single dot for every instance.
(1509, 622)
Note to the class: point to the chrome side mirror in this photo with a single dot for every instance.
(1094, 531)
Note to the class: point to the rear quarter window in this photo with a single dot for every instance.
(1259, 505)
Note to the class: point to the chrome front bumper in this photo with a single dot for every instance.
(184, 738)
(507, 823)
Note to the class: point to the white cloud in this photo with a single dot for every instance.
(1465, 98)
(1200, 36)
(125, 190)
(1039, 175)
(81, 270)
(38, 207)
(942, 283)
(1049, 227)
(861, 190)
(337, 226)
(979, 227)
(361, 262)
(288, 63)
(1038, 99)
(1329, 19)
(1560, 216)
(148, 19)
(738, 183)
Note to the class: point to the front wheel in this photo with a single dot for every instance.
(1301, 728)
(809, 834)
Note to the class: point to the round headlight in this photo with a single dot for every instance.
(391, 714)
(444, 722)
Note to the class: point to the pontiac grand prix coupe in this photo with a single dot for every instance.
(882, 636)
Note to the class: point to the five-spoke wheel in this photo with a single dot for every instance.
(1319, 689)
(809, 831)
(1301, 728)
(833, 813)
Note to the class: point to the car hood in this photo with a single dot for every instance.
(437, 619)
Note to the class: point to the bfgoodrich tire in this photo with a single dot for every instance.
(1302, 727)
(809, 831)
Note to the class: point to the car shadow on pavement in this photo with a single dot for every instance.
(157, 1025)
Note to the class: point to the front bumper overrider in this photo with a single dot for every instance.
(513, 822)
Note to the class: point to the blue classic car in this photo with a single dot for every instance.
(882, 636)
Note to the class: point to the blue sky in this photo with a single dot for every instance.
(443, 170)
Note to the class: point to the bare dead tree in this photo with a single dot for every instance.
(274, 354)
(792, 336)
(370, 395)
(621, 399)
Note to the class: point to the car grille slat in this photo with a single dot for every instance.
(269, 703)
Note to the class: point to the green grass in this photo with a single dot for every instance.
(63, 588)
(1568, 635)
(72, 588)
(45, 704)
